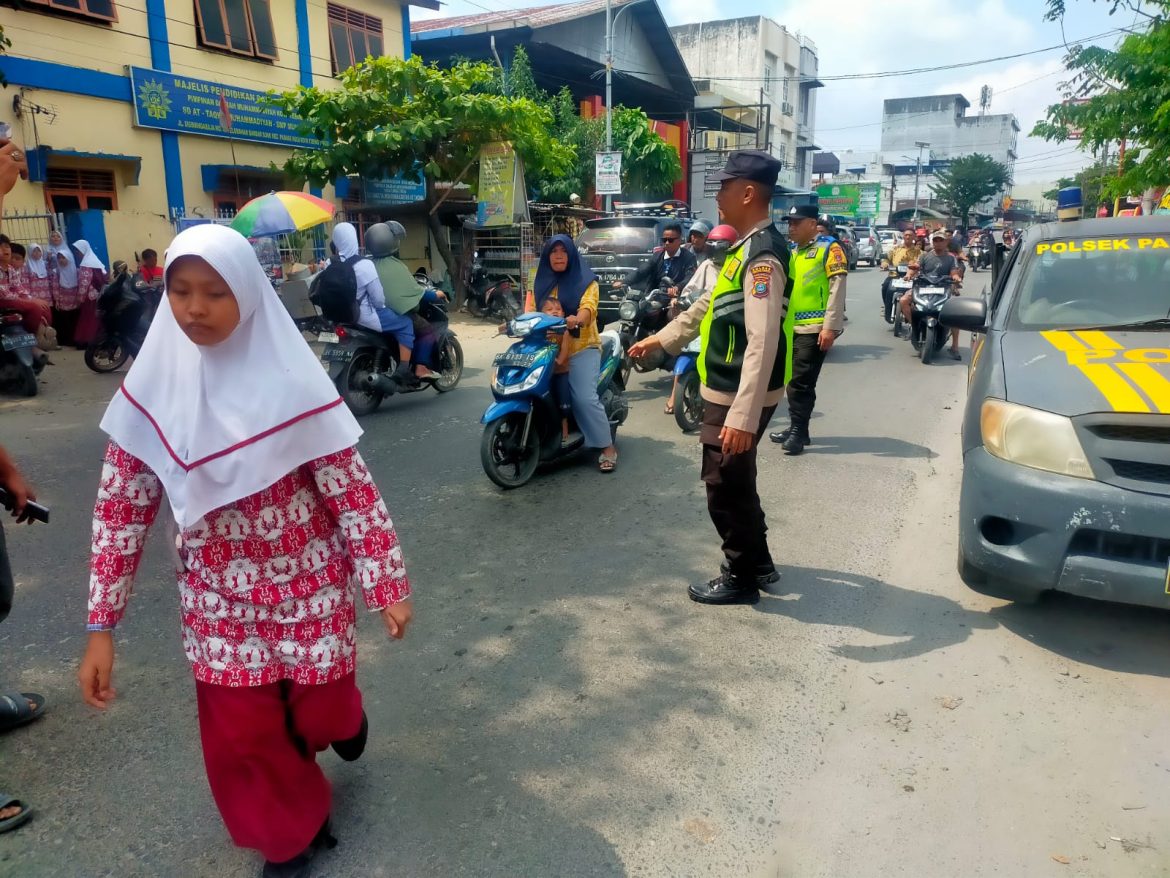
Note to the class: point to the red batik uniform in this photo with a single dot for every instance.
(267, 604)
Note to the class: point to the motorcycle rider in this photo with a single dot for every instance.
(124, 300)
(403, 295)
(698, 288)
(743, 366)
(905, 253)
(937, 263)
(672, 266)
(697, 236)
(819, 273)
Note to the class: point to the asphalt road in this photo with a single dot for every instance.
(561, 708)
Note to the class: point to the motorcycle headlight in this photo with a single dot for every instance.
(1034, 438)
(628, 310)
(530, 380)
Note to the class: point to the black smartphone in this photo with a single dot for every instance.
(32, 509)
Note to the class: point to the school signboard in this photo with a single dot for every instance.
(171, 102)
(854, 200)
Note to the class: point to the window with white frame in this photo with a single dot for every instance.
(769, 71)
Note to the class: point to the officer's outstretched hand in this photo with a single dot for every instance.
(736, 441)
(646, 346)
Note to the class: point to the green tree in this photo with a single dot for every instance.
(393, 116)
(1120, 94)
(650, 166)
(1062, 183)
(969, 180)
(1092, 181)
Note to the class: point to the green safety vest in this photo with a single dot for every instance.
(810, 284)
(723, 335)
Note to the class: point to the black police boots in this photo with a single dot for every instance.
(791, 440)
(726, 588)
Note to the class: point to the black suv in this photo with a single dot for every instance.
(613, 246)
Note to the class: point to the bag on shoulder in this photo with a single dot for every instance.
(334, 291)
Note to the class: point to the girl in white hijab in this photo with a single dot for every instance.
(66, 295)
(91, 278)
(36, 274)
(228, 413)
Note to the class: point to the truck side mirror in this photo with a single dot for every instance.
(964, 313)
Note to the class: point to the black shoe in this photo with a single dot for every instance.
(781, 436)
(794, 444)
(766, 573)
(300, 866)
(351, 749)
(724, 589)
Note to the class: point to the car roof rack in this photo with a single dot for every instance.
(669, 208)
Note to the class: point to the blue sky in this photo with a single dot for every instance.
(867, 36)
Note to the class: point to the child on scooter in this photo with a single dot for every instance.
(553, 308)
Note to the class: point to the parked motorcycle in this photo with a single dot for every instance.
(899, 284)
(18, 365)
(491, 297)
(360, 362)
(522, 428)
(125, 311)
(642, 315)
(927, 333)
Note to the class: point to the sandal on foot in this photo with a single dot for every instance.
(15, 710)
(352, 748)
(607, 463)
(955, 355)
(668, 409)
(9, 823)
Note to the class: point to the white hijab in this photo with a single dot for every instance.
(36, 267)
(66, 274)
(219, 423)
(345, 239)
(89, 259)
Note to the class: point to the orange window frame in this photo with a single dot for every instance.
(226, 46)
(83, 12)
(352, 20)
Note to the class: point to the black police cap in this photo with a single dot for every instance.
(750, 164)
(802, 211)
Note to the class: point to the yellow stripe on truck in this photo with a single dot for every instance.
(1118, 392)
(1151, 381)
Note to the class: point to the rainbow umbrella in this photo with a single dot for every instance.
(279, 213)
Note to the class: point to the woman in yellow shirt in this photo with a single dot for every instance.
(562, 275)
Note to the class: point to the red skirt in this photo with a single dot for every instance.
(260, 746)
(88, 324)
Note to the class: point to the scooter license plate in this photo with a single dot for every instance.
(328, 337)
(513, 359)
(337, 355)
(12, 342)
(901, 285)
(932, 291)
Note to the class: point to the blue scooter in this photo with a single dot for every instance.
(522, 428)
(687, 401)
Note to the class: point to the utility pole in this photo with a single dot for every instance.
(610, 21)
(921, 144)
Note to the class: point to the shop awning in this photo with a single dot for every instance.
(39, 158)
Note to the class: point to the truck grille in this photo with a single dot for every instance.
(1120, 547)
(1129, 451)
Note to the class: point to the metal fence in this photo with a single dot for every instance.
(27, 227)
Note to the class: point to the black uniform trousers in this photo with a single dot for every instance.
(732, 499)
(807, 359)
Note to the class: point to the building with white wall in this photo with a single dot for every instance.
(754, 60)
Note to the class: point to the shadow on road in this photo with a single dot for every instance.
(1115, 637)
(844, 353)
(879, 446)
(922, 622)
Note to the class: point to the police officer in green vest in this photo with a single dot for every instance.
(743, 365)
(819, 269)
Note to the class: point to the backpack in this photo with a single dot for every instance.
(334, 291)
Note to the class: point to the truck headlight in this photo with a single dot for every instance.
(1031, 437)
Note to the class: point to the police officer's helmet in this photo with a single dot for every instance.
(384, 239)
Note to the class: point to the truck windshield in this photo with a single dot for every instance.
(1085, 282)
(617, 239)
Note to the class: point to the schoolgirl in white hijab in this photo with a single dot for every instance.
(37, 267)
(220, 423)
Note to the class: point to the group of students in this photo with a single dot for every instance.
(54, 287)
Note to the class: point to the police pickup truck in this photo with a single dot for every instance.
(1066, 436)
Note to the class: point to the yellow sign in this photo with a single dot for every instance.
(1098, 245)
(498, 171)
(1130, 379)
